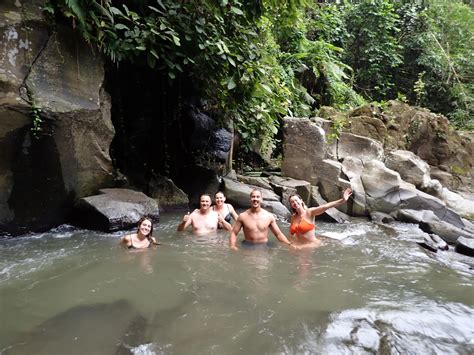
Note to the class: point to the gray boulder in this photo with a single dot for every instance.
(285, 187)
(352, 168)
(114, 209)
(363, 148)
(333, 213)
(380, 217)
(304, 149)
(464, 207)
(238, 193)
(278, 209)
(254, 181)
(410, 167)
(433, 243)
(465, 246)
(167, 194)
(446, 231)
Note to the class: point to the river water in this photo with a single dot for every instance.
(73, 291)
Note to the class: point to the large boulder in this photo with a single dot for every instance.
(381, 186)
(333, 213)
(432, 223)
(465, 246)
(352, 168)
(304, 149)
(363, 148)
(446, 231)
(410, 167)
(206, 137)
(463, 206)
(114, 209)
(258, 181)
(238, 193)
(399, 126)
(167, 194)
(431, 137)
(285, 187)
(278, 209)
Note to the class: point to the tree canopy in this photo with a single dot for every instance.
(259, 60)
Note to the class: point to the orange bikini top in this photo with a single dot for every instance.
(302, 227)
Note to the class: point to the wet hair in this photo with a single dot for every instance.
(302, 201)
(205, 194)
(141, 220)
(255, 190)
(219, 192)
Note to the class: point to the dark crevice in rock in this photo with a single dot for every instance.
(38, 198)
(30, 68)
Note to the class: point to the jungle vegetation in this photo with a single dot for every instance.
(259, 60)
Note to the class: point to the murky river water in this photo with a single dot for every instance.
(72, 291)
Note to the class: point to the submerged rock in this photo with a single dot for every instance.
(465, 246)
(88, 329)
(433, 243)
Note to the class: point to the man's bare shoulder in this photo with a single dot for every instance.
(195, 212)
(245, 213)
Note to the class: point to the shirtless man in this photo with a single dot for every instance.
(204, 220)
(256, 222)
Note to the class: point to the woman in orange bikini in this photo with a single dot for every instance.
(302, 228)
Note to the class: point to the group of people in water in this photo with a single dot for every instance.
(255, 222)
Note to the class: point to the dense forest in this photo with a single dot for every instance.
(256, 61)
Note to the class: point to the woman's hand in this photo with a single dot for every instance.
(347, 193)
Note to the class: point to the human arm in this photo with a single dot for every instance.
(232, 212)
(153, 241)
(234, 233)
(315, 211)
(126, 241)
(279, 234)
(222, 222)
(187, 220)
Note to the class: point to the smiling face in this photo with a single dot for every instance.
(205, 202)
(145, 227)
(296, 202)
(219, 198)
(255, 198)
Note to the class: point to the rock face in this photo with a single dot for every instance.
(167, 194)
(55, 127)
(465, 246)
(422, 132)
(398, 186)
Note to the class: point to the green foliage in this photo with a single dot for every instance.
(419, 88)
(372, 48)
(235, 52)
(36, 128)
(451, 30)
(336, 128)
(258, 61)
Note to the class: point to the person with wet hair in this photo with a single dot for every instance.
(143, 238)
(226, 210)
(256, 222)
(204, 220)
(302, 227)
